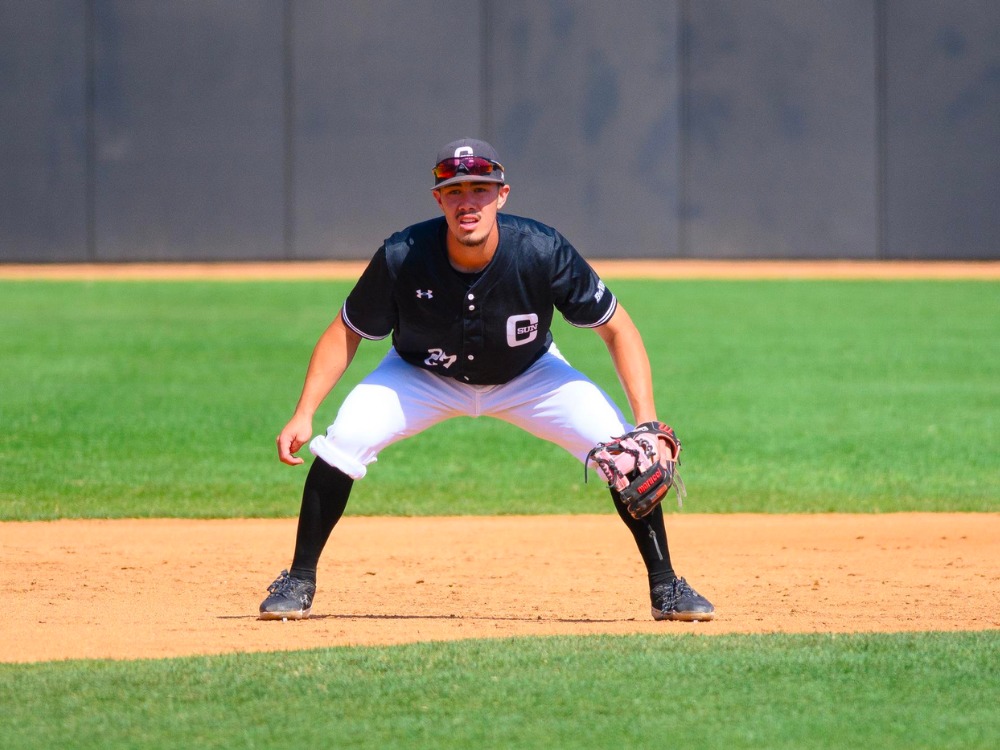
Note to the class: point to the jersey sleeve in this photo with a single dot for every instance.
(369, 310)
(578, 291)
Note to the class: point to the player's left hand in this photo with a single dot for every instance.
(641, 466)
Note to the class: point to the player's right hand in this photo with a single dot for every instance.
(296, 434)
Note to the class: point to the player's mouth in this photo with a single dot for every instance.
(468, 222)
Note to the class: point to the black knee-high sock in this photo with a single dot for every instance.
(324, 498)
(651, 538)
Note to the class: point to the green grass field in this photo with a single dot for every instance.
(163, 399)
(131, 399)
(906, 691)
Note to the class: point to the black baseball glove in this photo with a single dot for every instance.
(641, 466)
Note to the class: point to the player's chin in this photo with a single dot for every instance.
(471, 239)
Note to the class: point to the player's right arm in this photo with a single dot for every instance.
(330, 359)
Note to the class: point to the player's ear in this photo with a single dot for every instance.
(502, 195)
(437, 198)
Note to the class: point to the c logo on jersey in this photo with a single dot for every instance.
(522, 329)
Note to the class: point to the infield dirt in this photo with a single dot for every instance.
(159, 588)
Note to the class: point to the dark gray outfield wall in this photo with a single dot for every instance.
(259, 129)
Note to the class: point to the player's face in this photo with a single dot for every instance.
(470, 208)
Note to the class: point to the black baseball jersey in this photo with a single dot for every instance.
(482, 328)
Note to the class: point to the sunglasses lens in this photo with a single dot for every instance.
(472, 165)
(446, 169)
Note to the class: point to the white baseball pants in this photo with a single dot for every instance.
(551, 400)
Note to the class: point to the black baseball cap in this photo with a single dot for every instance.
(467, 160)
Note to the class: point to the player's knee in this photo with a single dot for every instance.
(345, 457)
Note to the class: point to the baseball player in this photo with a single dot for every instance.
(468, 298)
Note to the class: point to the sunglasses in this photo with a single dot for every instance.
(471, 165)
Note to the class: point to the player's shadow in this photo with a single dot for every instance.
(480, 618)
(457, 618)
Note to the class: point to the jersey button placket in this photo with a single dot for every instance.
(471, 323)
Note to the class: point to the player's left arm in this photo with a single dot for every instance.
(631, 362)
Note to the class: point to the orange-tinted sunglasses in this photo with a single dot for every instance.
(472, 165)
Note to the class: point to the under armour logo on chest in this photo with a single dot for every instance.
(425, 294)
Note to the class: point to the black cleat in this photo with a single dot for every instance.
(678, 601)
(290, 599)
